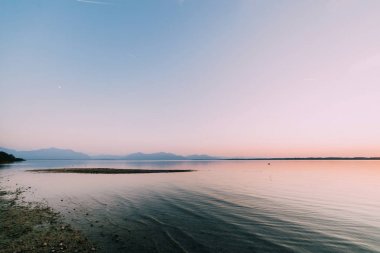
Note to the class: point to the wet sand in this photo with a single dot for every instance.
(106, 171)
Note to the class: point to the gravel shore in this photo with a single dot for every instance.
(35, 227)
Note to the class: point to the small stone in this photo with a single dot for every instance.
(45, 244)
(93, 249)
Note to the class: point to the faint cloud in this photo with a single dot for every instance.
(131, 55)
(180, 2)
(93, 2)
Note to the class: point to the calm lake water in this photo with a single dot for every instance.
(224, 206)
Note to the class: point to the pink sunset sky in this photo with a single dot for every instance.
(227, 78)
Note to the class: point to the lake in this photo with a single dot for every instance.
(223, 206)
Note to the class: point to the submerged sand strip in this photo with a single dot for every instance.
(106, 171)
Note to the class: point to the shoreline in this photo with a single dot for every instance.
(35, 227)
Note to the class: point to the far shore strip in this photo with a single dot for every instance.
(106, 171)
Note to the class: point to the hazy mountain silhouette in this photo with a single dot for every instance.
(56, 153)
(48, 153)
(201, 157)
(155, 156)
(68, 154)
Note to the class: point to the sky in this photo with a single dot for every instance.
(256, 78)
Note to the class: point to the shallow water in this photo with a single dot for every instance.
(224, 206)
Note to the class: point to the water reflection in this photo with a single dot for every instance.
(225, 206)
(4, 166)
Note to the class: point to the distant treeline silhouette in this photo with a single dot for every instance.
(8, 158)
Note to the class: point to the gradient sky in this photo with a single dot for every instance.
(233, 78)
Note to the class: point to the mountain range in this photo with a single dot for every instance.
(68, 154)
(56, 154)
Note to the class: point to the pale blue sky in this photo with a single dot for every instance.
(257, 78)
